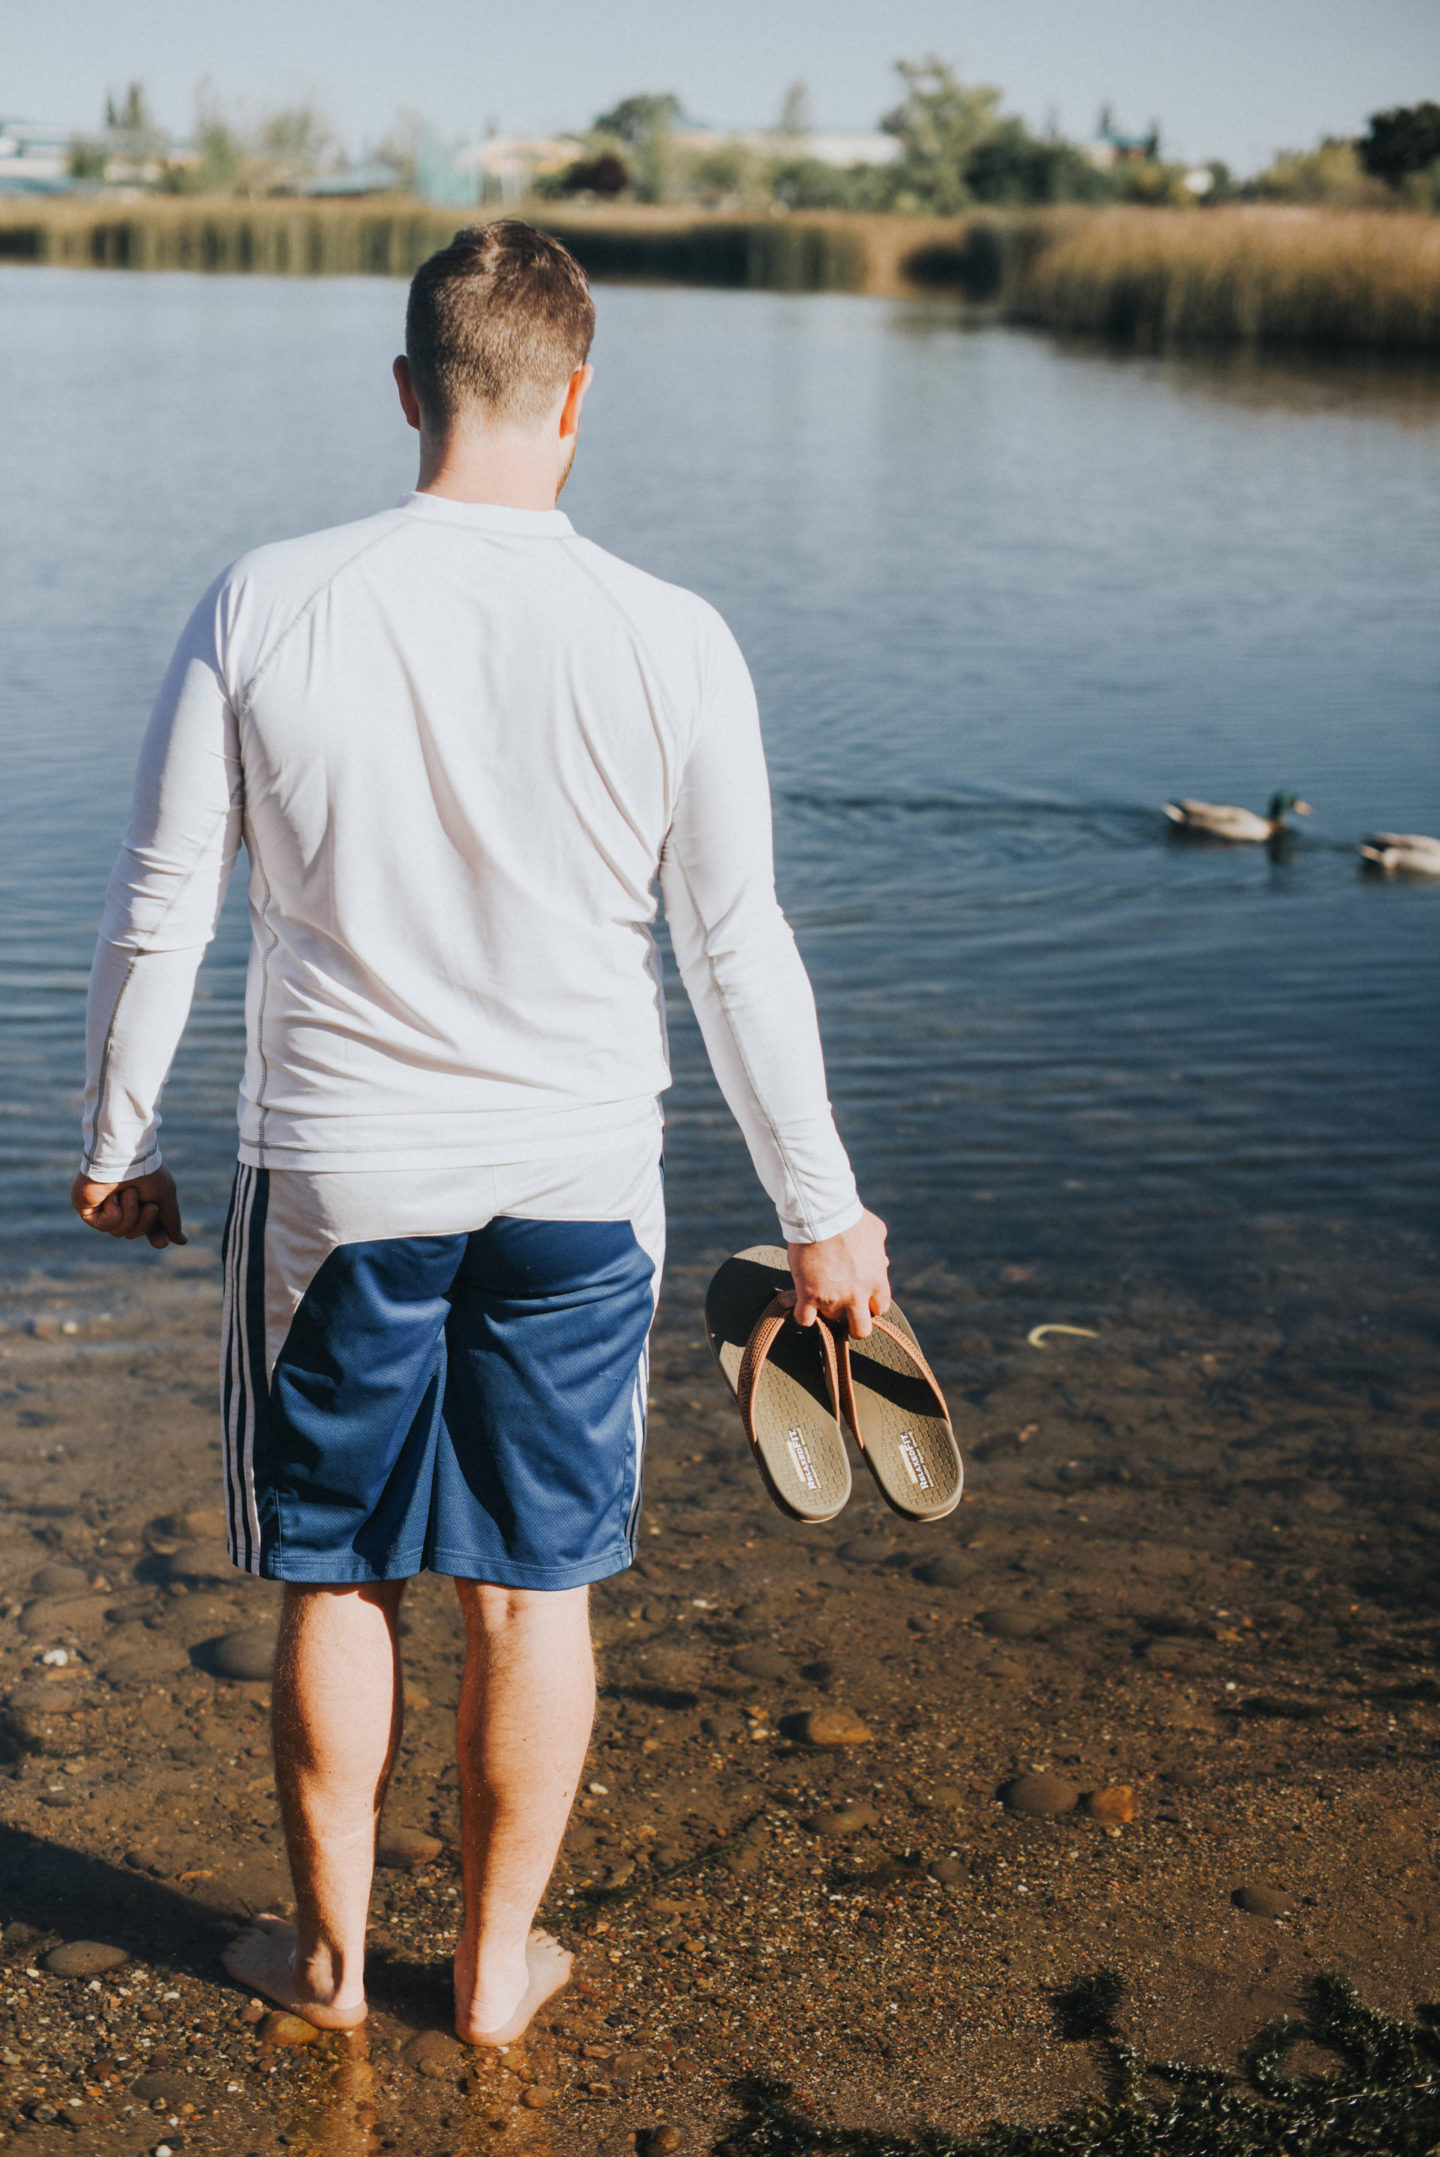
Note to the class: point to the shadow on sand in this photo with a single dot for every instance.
(1381, 2098)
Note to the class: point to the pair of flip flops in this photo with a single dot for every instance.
(793, 1383)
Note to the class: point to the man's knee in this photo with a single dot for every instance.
(490, 1611)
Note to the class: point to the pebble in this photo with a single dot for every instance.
(172, 2088)
(278, 2028)
(1115, 1805)
(844, 1820)
(246, 1655)
(1040, 1797)
(434, 2054)
(662, 2141)
(538, 2098)
(84, 1958)
(198, 1562)
(948, 1572)
(60, 1580)
(140, 1857)
(1011, 1624)
(1262, 1901)
(834, 1726)
(949, 1871)
(723, 1725)
(53, 1616)
(945, 1797)
(158, 1658)
(406, 1849)
(205, 1524)
(866, 1550)
(766, 1663)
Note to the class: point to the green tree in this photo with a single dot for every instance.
(218, 146)
(642, 125)
(639, 119)
(131, 115)
(796, 118)
(1331, 174)
(1012, 166)
(940, 122)
(291, 146)
(1400, 142)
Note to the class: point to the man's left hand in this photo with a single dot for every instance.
(147, 1206)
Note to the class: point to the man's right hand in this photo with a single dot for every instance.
(147, 1206)
(845, 1276)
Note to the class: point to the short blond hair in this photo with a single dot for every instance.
(500, 318)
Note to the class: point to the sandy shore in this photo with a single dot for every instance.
(1197, 1562)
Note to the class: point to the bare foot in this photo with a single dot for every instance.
(547, 1965)
(264, 1959)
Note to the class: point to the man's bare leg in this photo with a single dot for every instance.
(336, 1714)
(525, 1713)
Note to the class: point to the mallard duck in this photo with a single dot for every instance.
(1217, 820)
(1402, 853)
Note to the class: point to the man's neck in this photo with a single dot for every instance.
(512, 471)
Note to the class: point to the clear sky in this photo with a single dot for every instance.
(1231, 78)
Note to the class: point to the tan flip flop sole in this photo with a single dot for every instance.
(894, 1405)
(785, 1379)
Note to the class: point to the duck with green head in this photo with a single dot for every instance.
(1217, 820)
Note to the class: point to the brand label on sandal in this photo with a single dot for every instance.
(799, 1453)
(910, 1454)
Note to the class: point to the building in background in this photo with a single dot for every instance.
(34, 158)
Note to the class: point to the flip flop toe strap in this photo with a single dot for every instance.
(764, 1334)
(911, 1351)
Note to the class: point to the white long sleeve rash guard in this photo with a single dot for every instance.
(458, 742)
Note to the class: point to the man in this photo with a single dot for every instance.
(459, 745)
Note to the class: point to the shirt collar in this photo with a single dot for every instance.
(490, 516)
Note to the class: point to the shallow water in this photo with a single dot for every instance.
(1001, 598)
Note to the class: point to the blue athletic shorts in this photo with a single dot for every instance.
(469, 1400)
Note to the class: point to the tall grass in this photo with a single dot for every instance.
(1254, 275)
(1231, 276)
(390, 237)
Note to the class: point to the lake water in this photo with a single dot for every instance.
(1001, 599)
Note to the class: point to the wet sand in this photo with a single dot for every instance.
(1197, 1561)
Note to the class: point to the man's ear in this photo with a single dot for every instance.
(409, 402)
(574, 397)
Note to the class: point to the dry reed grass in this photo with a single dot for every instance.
(1254, 275)
(1233, 276)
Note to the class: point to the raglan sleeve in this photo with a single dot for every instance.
(738, 960)
(164, 898)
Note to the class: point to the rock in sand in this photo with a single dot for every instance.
(834, 1726)
(1270, 1902)
(198, 1564)
(947, 1572)
(844, 1820)
(1114, 1806)
(434, 2054)
(279, 2028)
(1040, 1797)
(765, 1663)
(84, 1958)
(142, 1665)
(58, 1617)
(406, 1849)
(60, 1580)
(1011, 1624)
(246, 1655)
